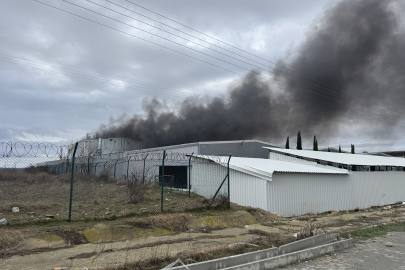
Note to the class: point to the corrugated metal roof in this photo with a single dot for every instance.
(264, 168)
(344, 158)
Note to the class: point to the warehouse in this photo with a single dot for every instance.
(370, 181)
(241, 148)
(256, 182)
(293, 182)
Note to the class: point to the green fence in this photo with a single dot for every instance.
(56, 182)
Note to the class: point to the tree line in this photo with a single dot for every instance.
(315, 144)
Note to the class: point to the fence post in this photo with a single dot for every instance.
(71, 183)
(143, 177)
(229, 189)
(95, 169)
(115, 167)
(128, 166)
(189, 174)
(163, 179)
(222, 183)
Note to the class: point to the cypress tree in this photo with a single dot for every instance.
(328, 149)
(340, 149)
(315, 144)
(299, 141)
(287, 143)
(352, 146)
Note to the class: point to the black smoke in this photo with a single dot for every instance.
(246, 114)
(349, 67)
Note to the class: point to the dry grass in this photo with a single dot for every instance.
(9, 239)
(265, 240)
(263, 216)
(39, 193)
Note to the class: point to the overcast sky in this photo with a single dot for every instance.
(62, 76)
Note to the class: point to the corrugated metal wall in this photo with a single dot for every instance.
(182, 150)
(282, 157)
(292, 194)
(245, 149)
(206, 179)
(248, 190)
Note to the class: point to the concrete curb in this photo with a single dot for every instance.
(309, 242)
(256, 256)
(290, 258)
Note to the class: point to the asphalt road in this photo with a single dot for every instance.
(371, 254)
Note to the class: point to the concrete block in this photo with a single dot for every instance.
(310, 242)
(294, 257)
(271, 256)
(222, 263)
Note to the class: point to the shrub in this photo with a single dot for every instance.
(105, 176)
(35, 170)
(135, 191)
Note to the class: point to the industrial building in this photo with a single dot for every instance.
(290, 182)
(242, 148)
(295, 182)
(106, 147)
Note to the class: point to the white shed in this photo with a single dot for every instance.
(295, 187)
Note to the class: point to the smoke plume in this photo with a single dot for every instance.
(349, 67)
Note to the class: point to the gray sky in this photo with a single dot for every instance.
(45, 98)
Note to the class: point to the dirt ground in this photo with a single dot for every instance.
(41, 195)
(156, 240)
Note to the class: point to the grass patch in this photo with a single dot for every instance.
(378, 230)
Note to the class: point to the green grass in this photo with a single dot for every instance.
(379, 230)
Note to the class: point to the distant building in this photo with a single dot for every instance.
(107, 147)
(241, 148)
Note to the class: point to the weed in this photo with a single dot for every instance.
(378, 230)
(136, 191)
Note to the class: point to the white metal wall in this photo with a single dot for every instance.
(248, 190)
(206, 179)
(292, 194)
(278, 156)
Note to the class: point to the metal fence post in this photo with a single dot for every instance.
(71, 183)
(143, 177)
(95, 169)
(115, 166)
(163, 179)
(128, 166)
(189, 174)
(229, 189)
(222, 183)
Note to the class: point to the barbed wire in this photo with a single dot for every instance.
(94, 154)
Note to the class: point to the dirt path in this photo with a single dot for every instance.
(113, 253)
(99, 256)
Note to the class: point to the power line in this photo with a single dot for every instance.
(100, 79)
(276, 64)
(154, 43)
(82, 72)
(90, 77)
(169, 48)
(181, 44)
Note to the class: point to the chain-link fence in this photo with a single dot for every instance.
(58, 182)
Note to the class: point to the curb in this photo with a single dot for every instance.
(294, 257)
(233, 262)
